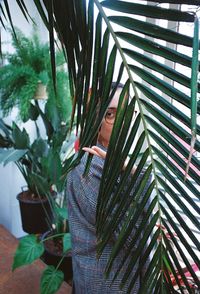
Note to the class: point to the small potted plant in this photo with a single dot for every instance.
(54, 248)
(40, 164)
(57, 242)
(27, 75)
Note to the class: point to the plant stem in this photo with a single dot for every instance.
(51, 237)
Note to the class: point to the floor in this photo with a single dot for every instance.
(25, 279)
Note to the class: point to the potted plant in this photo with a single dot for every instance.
(53, 247)
(38, 160)
(40, 164)
(27, 76)
(57, 242)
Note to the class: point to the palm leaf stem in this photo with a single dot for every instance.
(194, 78)
(134, 88)
(194, 90)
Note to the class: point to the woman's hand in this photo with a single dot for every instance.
(95, 151)
(102, 154)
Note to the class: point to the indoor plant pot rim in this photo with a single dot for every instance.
(48, 233)
(36, 200)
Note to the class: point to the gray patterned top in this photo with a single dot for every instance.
(88, 271)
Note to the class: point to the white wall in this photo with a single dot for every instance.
(11, 180)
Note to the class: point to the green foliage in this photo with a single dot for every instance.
(28, 65)
(40, 162)
(91, 61)
(67, 242)
(11, 155)
(51, 280)
(29, 249)
(39, 159)
(166, 129)
(20, 138)
(57, 108)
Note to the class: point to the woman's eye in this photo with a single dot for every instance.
(110, 114)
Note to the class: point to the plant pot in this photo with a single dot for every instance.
(34, 213)
(52, 256)
(41, 92)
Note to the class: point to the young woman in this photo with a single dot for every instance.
(88, 271)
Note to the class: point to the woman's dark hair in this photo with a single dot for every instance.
(114, 84)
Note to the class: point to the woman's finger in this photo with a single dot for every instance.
(95, 151)
(101, 153)
(90, 150)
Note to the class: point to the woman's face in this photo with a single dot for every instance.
(108, 121)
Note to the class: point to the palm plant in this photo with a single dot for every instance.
(91, 63)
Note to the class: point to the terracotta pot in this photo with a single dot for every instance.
(51, 257)
(34, 213)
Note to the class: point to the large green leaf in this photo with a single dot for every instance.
(51, 280)
(20, 138)
(29, 249)
(148, 11)
(11, 155)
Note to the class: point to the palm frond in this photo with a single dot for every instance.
(92, 53)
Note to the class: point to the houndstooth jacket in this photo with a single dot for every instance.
(88, 271)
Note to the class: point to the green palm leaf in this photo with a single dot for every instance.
(93, 47)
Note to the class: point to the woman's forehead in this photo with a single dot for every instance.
(114, 102)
